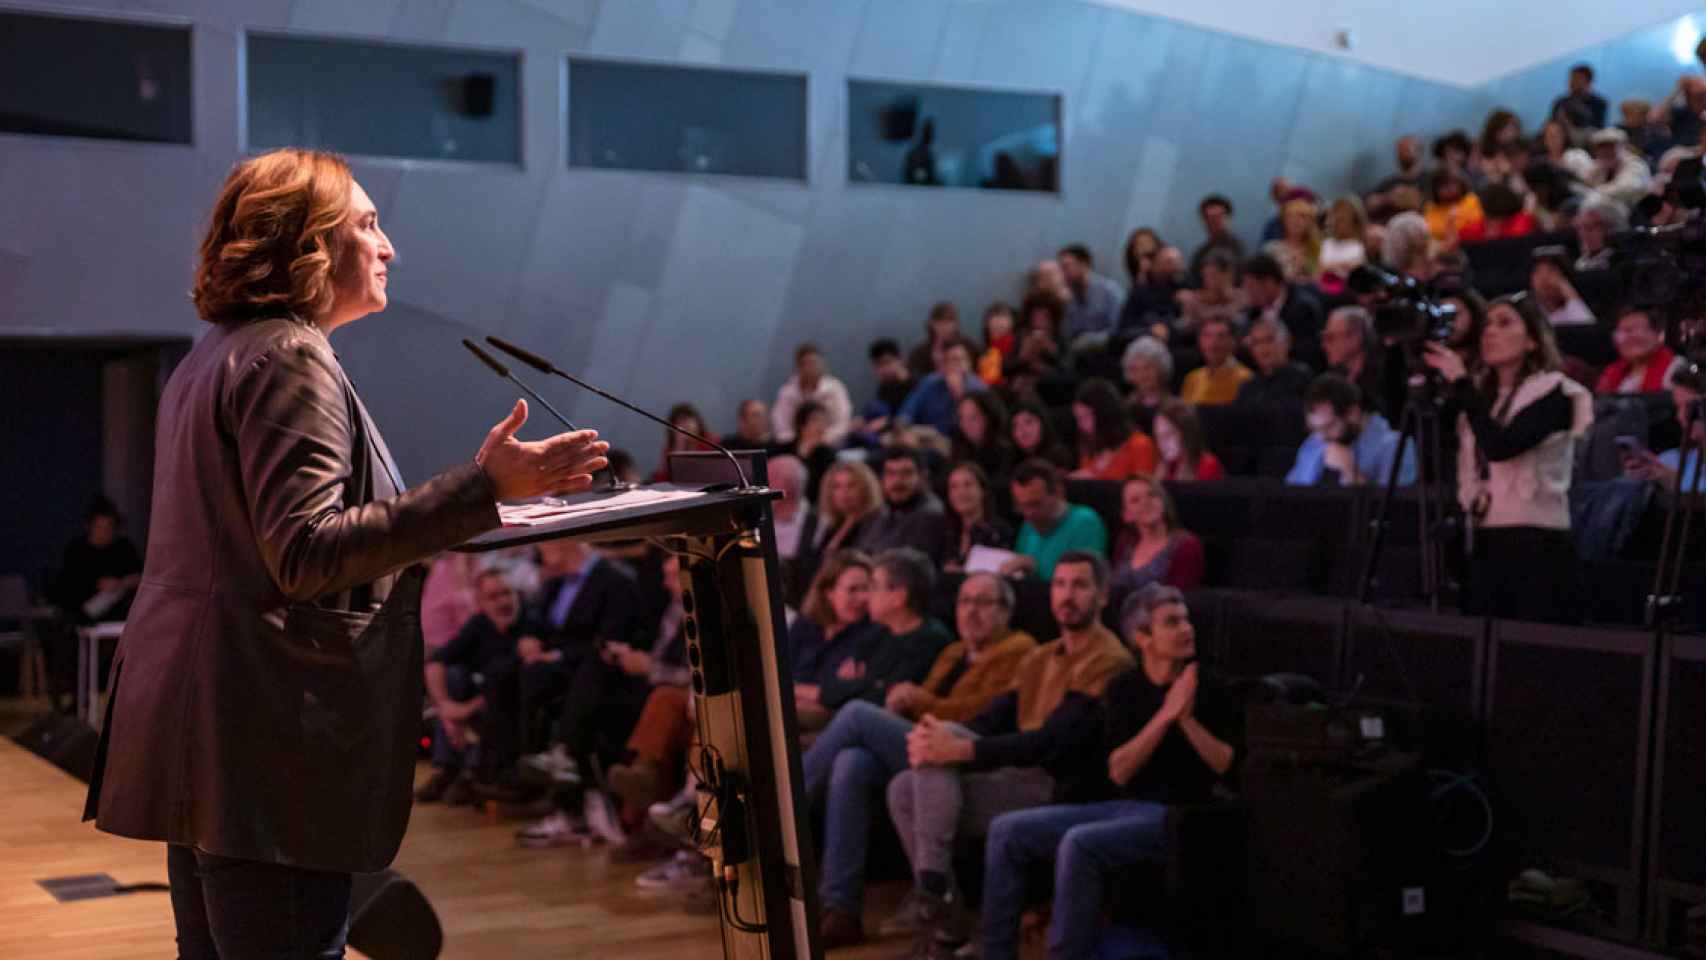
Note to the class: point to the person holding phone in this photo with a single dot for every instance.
(1686, 390)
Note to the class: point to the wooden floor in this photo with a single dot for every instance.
(493, 898)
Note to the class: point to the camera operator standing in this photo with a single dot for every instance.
(1518, 422)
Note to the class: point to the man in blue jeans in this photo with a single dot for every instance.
(865, 745)
(1170, 744)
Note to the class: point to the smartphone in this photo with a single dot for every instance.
(1631, 448)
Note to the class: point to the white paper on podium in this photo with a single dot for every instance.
(987, 559)
(535, 513)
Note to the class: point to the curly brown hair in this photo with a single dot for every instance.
(273, 241)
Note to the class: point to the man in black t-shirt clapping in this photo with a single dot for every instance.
(1168, 733)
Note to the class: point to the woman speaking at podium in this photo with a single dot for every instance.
(265, 697)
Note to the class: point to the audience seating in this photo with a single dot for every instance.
(1501, 266)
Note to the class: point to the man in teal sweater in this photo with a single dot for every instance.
(1052, 526)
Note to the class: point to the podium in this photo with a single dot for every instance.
(751, 813)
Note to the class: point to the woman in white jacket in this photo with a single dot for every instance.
(1517, 426)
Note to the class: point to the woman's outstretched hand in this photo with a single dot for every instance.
(519, 469)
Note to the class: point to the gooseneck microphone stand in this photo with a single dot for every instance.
(612, 484)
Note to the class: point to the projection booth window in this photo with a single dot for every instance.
(111, 79)
(931, 136)
(383, 99)
(633, 116)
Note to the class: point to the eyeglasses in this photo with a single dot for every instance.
(980, 602)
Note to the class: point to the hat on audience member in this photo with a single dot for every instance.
(1609, 135)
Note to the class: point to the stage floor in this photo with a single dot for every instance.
(493, 899)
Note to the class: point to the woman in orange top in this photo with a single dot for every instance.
(1109, 447)
(1454, 208)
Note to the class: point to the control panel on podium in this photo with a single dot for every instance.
(751, 819)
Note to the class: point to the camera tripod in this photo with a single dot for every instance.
(1664, 603)
(1419, 425)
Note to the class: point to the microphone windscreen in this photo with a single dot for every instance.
(525, 356)
(486, 358)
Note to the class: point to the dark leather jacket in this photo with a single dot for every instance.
(267, 690)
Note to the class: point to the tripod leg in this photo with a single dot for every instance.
(1406, 433)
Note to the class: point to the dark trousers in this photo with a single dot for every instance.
(517, 695)
(230, 909)
(1523, 573)
(602, 705)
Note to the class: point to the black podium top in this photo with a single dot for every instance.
(691, 512)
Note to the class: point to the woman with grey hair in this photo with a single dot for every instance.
(1406, 247)
(1595, 222)
(1148, 368)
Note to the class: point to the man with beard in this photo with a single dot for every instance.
(1038, 743)
(1348, 444)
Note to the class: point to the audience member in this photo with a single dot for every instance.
(1141, 246)
(1581, 107)
(447, 597)
(1038, 355)
(1094, 306)
(1153, 305)
(811, 381)
(1170, 734)
(932, 403)
(981, 436)
(908, 640)
(1618, 172)
(1595, 222)
(1108, 447)
(1686, 107)
(1407, 153)
(586, 601)
(894, 382)
(1034, 437)
(99, 571)
(1406, 248)
(1348, 444)
(1279, 191)
(1271, 296)
(849, 496)
(790, 517)
(1516, 443)
(1452, 151)
(1035, 744)
(972, 519)
(911, 516)
(811, 444)
(1343, 251)
(831, 625)
(454, 674)
(1454, 207)
(1298, 249)
(942, 325)
(865, 745)
(1216, 213)
(1000, 343)
(1556, 145)
(1505, 214)
(1348, 344)
(1278, 382)
(656, 750)
(1644, 364)
(1218, 379)
(1501, 129)
(1052, 527)
(1645, 135)
(683, 416)
(1549, 281)
(752, 427)
(1152, 547)
(1148, 368)
(1666, 469)
(1179, 442)
(1219, 297)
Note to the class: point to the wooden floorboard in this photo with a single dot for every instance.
(493, 899)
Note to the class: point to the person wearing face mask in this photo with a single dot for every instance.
(1179, 444)
(1644, 364)
(1348, 444)
(1520, 417)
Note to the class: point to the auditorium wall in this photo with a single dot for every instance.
(671, 287)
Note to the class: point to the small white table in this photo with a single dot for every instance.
(89, 668)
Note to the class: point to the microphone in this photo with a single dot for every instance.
(615, 485)
(547, 367)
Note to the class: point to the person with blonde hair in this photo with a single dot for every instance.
(847, 498)
(272, 765)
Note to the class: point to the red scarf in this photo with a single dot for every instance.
(1652, 378)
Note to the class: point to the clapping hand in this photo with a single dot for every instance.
(850, 669)
(1181, 700)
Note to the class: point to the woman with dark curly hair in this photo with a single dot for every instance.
(1109, 447)
(266, 694)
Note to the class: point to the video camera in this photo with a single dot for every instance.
(1663, 267)
(1404, 314)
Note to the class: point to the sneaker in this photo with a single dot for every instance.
(679, 873)
(555, 764)
(601, 818)
(943, 918)
(904, 921)
(674, 818)
(435, 788)
(636, 783)
(460, 792)
(840, 928)
(555, 829)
